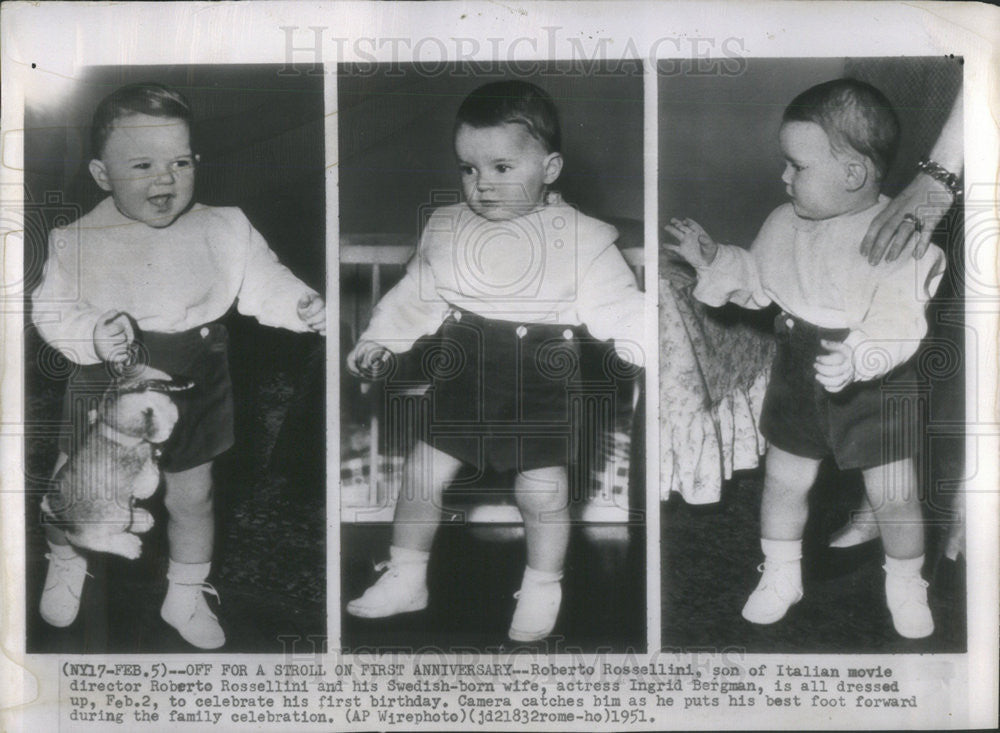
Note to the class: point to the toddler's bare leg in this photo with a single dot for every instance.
(403, 586)
(892, 491)
(418, 510)
(190, 515)
(783, 513)
(191, 537)
(542, 495)
(784, 506)
(60, 601)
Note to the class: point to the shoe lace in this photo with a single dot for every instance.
(64, 565)
(205, 587)
(65, 568)
(210, 589)
(388, 569)
(519, 593)
(770, 572)
(911, 580)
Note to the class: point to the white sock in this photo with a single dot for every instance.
(63, 552)
(904, 566)
(540, 577)
(187, 573)
(782, 550)
(406, 556)
(410, 563)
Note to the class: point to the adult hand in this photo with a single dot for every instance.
(907, 223)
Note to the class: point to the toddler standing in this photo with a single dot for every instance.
(507, 279)
(147, 256)
(846, 328)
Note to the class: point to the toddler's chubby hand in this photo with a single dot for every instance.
(312, 312)
(835, 369)
(694, 244)
(113, 334)
(367, 359)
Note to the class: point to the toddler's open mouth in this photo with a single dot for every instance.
(161, 201)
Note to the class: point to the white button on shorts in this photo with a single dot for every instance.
(204, 332)
(567, 334)
(521, 332)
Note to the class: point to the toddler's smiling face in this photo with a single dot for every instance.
(505, 171)
(148, 168)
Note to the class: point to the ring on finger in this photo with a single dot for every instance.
(918, 225)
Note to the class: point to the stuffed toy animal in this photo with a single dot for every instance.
(116, 464)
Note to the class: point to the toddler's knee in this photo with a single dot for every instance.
(788, 472)
(188, 495)
(536, 498)
(187, 505)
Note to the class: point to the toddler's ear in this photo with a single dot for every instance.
(857, 175)
(553, 167)
(100, 174)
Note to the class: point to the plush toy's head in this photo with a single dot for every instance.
(140, 406)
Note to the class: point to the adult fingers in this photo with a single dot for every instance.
(876, 239)
(903, 237)
(923, 244)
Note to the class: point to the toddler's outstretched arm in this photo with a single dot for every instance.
(694, 244)
(726, 273)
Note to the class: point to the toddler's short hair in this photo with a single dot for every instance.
(513, 101)
(146, 98)
(853, 114)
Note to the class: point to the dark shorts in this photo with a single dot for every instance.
(868, 424)
(205, 425)
(501, 392)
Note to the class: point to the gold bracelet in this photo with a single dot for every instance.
(942, 175)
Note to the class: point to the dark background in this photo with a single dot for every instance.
(261, 140)
(720, 163)
(396, 140)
